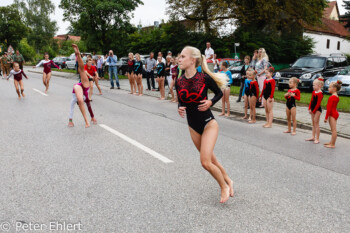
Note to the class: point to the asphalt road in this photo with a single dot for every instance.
(92, 177)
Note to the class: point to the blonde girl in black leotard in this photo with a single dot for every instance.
(192, 88)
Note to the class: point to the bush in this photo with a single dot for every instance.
(26, 50)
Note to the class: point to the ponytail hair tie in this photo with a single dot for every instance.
(255, 71)
(339, 82)
(321, 79)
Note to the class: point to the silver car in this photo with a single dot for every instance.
(343, 76)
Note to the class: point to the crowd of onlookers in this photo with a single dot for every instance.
(7, 60)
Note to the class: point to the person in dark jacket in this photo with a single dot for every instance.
(244, 69)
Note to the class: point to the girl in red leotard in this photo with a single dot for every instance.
(192, 88)
(332, 113)
(47, 70)
(315, 109)
(253, 94)
(91, 72)
(268, 94)
(17, 78)
(291, 107)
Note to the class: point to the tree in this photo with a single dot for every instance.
(347, 14)
(26, 50)
(283, 15)
(12, 29)
(103, 23)
(37, 17)
(209, 13)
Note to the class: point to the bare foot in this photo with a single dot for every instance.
(316, 141)
(225, 194)
(162, 98)
(330, 146)
(251, 122)
(294, 133)
(173, 101)
(245, 117)
(45, 91)
(227, 115)
(19, 98)
(70, 124)
(310, 139)
(267, 126)
(249, 119)
(327, 143)
(99, 94)
(287, 131)
(135, 93)
(140, 95)
(221, 114)
(130, 93)
(231, 188)
(94, 121)
(87, 125)
(23, 95)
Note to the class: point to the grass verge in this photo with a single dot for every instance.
(343, 105)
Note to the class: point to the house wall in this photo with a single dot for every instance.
(334, 15)
(320, 46)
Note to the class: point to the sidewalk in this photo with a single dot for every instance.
(237, 109)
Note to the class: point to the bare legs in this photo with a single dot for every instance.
(132, 83)
(162, 88)
(291, 116)
(333, 125)
(139, 83)
(91, 89)
(98, 86)
(79, 94)
(172, 88)
(268, 104)
(315, 117)
(252, 103)
(18, 86)
(46, 81)
(205, 144)
(226, 100)
(246, 105)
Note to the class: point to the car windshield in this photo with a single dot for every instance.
(309, 62)
(346, 71)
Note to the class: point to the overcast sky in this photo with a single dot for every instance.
(152, 10)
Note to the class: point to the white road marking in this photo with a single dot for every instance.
(40, 92)
(137, 144)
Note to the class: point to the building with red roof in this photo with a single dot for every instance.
(330, 36)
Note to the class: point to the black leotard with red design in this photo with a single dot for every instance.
(193, 90)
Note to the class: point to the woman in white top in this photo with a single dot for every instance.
(260, 67)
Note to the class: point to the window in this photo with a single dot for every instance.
(328, 43)
(338, 47)
(330, 62)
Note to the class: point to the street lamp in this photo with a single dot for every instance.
(236, 45)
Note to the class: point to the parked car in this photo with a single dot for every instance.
(236, 74)
(343, 76)
(70, 63)
(307, 68)
(60, 61)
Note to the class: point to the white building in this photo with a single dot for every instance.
(331, 36)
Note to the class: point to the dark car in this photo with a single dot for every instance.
(308, 68)
(60, 61)
(236, 74)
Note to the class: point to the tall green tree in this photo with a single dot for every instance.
(347, 13)
(12, 28)
(37, 16)
(103, 23)
(209, 13)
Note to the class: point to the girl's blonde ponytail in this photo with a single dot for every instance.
(221, 79)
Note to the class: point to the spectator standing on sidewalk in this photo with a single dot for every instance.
(100, 66)
(209, 52)
(19, 59)
(260, 67)
(254, 59)
(150, 67)
(112, 68)
(216, 64)
(244, 69)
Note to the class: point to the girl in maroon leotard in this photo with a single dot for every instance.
(80, 90)
(17, 77)
(332, 113)
(315, 109)
(47, 70)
